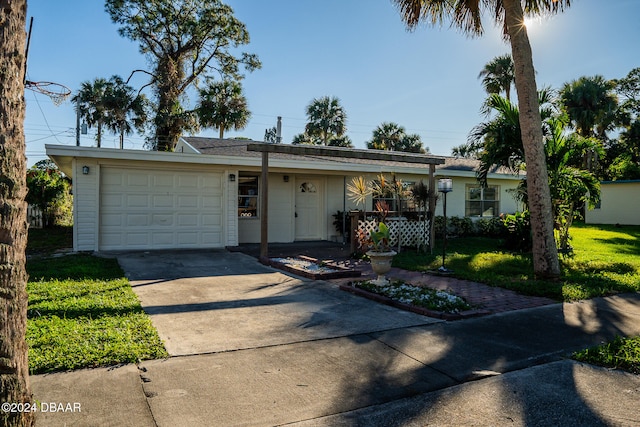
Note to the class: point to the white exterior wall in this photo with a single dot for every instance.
(456, 199)
(281, 213)
(620, 204)
(86, 200)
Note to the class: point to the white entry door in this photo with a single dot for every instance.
(308, 209)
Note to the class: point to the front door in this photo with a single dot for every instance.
(308, 209)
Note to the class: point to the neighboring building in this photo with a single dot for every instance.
(619, 204)
(207, 193)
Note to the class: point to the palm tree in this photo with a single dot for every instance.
(593, 109)
(91, 105)
(498, 142)
(498, 75)
(466, 15)
(590, 104)
(125, 110)
(14, 367)
(393, 137)
(223, 106)
(327, 120)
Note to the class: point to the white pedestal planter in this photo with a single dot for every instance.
(381, 265)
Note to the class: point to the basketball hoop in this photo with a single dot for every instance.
(56, 91)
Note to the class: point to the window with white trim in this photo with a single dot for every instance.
(248, 196)
(482, 201)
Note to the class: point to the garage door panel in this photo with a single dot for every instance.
(186, 220)
(135, 179)
(137, 200)
(188, 201)
(151, 209)
(163, 180)
(141, 220)
(162, 201)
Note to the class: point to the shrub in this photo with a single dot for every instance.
(490, 227)
(518, 234)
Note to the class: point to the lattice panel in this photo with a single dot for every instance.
(410, 232)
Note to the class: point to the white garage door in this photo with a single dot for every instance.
(150, 209)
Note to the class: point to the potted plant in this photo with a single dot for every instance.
(381, 255)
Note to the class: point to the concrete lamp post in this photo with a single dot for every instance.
(445, 185)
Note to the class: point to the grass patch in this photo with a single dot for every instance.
(83, 313)
(606, 261)
(44, 241)
(621, 353)
(417, 295)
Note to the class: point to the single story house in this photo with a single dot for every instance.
(207, 194)
(619, 204)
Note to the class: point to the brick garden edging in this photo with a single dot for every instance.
(412, 308)
(339, 273)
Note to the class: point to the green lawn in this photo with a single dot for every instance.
(83, 313)
(606, 261)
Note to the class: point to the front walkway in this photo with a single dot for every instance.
(492, 299)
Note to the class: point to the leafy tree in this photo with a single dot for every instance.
(326, 123)
(183, 40)
(467, 16)
(91, 104)
(623, 155)
(628, 88)
(47, 186)
(393, 137)
(223, 106)
(125, 109)
(498, 75)
(14, 368)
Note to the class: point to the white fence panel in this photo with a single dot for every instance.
(34, 216)
(409, 232)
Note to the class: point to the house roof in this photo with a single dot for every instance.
(236, 147)
(234, 153)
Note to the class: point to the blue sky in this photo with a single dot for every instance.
(356, 50)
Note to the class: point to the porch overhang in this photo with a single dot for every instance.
(342, 152)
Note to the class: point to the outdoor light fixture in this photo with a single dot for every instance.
(285, 178)
(445, 185)
(85, 170)
(232, 177)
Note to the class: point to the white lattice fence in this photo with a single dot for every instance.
(34, 216)
(410, 232)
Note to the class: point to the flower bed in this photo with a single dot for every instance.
(417, 299)
(312, 268)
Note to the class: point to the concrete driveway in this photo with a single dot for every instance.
(215, 301)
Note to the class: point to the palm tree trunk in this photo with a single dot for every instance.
(14, 367)
(221, 131)
(545, 253)
(99, 135)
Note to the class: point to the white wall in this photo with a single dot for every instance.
(620, 204)
(280, 217)
(86, 201)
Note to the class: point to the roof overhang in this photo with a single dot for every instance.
(63, 156)
(346, 153)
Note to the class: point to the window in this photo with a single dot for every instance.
(247, 196)
(406, 202)
(482, 202)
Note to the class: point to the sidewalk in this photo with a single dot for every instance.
(506, 368)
